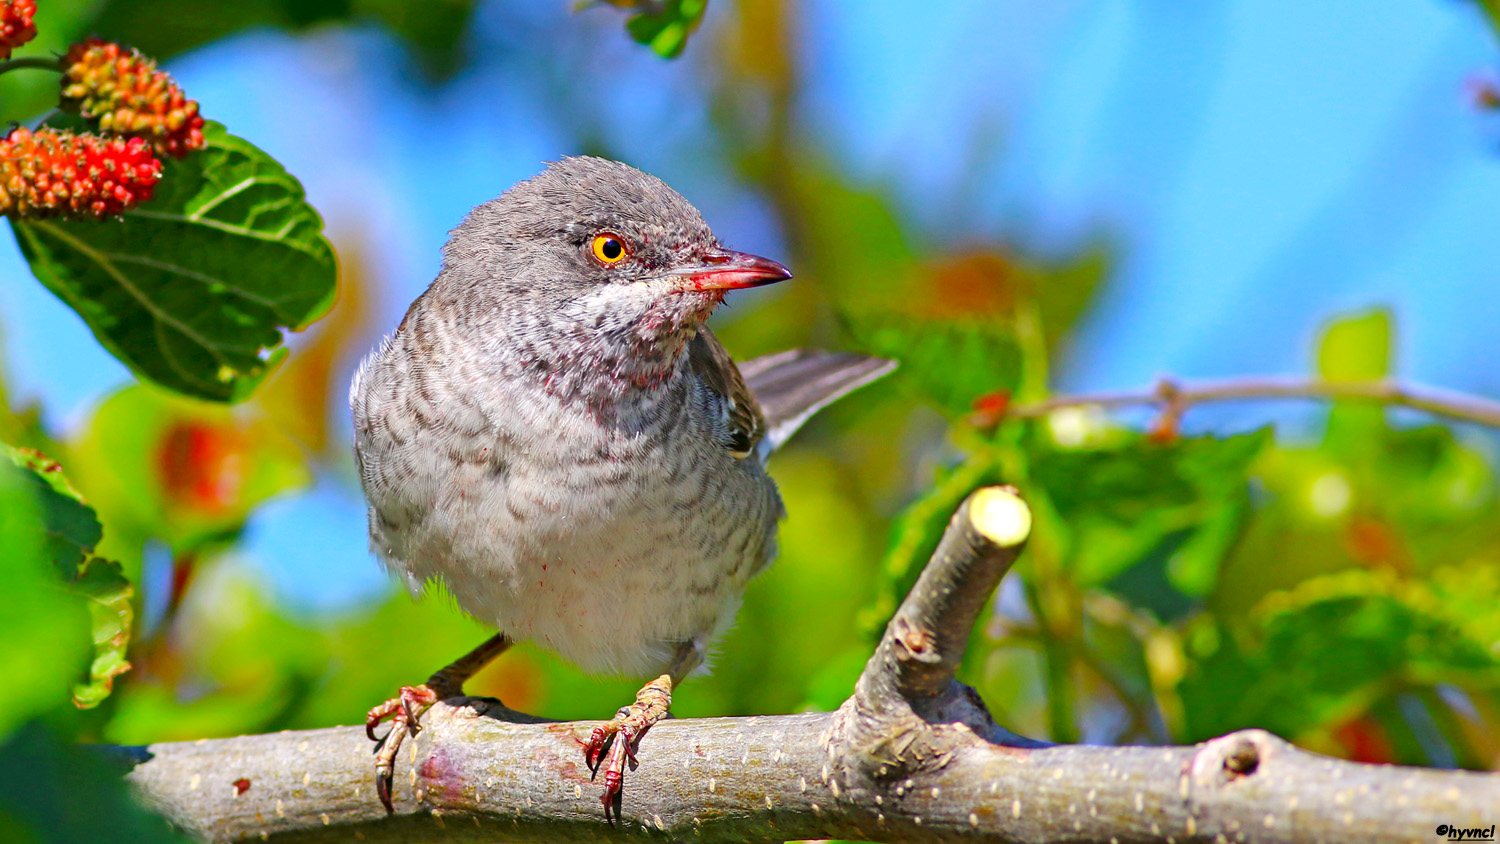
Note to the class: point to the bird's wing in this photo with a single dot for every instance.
(793, 385)
(711, 362)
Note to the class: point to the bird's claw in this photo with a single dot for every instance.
(404, 710)
(612, 745)
(612, 748)
(596, 744)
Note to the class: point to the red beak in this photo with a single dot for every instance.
(722, 269)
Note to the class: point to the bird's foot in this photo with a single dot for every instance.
(405, 711)
(614, 743)
(406, 708)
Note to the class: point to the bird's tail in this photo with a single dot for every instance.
(791, 386)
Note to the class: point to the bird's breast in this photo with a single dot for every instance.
(601, 532)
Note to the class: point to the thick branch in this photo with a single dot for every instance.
(748, 779)
(1448, 404)
(912, 756)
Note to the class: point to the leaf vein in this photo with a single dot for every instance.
(242, 231)
(196, 216)
(192, 274)
(113, 272)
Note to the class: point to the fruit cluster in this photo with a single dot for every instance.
(50, 173)
(138, 109)
(16, 27)
(127, 95)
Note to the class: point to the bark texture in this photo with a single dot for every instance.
(913, 755)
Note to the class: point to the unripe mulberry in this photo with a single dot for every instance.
(16, 27)
(48, 173)
(127, 95)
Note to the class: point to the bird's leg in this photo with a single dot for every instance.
(407, 707)
(614, 743)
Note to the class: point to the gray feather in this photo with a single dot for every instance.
(791, 386)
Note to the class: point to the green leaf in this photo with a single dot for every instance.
(1063, 292)
(949, 362)
(46, 646)
(1469, 593)
(194, 289)
(1124, 503)
(107, 594)
(1356, 347)
(666, 27)
(1193, 567)
(249, 665)
(1328, 650)
(437, 30)
(1434, 490)
(858, 244)
(70, 528)
(69, 532)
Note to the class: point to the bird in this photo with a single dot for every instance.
(555, 435)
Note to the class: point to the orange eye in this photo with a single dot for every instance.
(609, 249)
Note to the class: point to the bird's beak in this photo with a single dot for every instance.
(722, 269)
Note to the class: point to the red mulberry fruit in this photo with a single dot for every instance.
(126, 93)
(16, 27)
(48, 173)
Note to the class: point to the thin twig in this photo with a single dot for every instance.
(1448, 404)
(38, 62)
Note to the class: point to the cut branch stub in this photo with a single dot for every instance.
(895, 721)
(930, 630)
(926, 638)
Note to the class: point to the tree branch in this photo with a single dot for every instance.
(912, 756)
(1169, 393)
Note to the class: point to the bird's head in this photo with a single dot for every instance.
(596, 260)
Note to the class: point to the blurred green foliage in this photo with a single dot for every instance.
(162, 29)
(1492, 11)
(69, 532)
(68, 620)
(434, 29)
(1340, 588)
(52, 645)
(663, 25)
(54, 792)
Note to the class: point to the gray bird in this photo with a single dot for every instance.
(554, 434)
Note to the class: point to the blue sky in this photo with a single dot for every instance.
(1260, 163)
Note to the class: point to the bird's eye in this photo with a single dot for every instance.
(609, 249)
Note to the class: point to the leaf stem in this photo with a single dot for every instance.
(1034, 353)
(1056, 670)
(1147, 727)
(37, 62)
(1452, 405)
